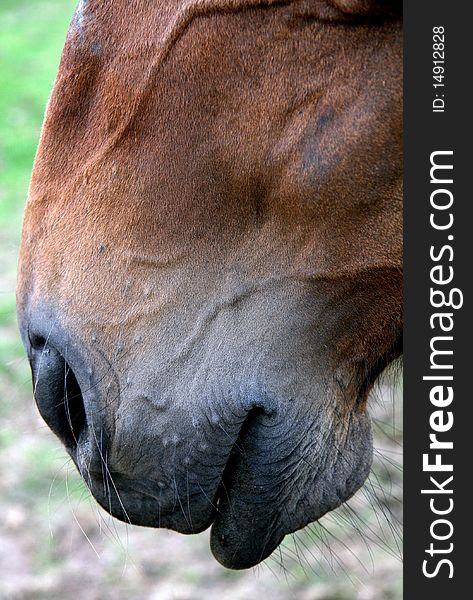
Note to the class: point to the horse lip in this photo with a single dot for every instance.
(243, 533)
(146, 503)
(122, 485)
(151, 502)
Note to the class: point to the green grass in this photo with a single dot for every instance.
(33, 33)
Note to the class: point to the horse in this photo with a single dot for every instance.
(210, 272)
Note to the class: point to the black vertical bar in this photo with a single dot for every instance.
(437, 119)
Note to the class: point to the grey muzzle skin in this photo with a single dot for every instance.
(252, 466)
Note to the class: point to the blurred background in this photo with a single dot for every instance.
(55, 542)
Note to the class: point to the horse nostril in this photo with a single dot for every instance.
(57, 392)
(37, 342)
(73, 405)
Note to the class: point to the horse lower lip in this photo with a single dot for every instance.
(238, 541)
(246, 528)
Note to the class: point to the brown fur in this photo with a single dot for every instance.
(217, 187)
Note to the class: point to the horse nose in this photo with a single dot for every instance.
(56, 391)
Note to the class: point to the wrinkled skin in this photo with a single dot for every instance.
(211, 267)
